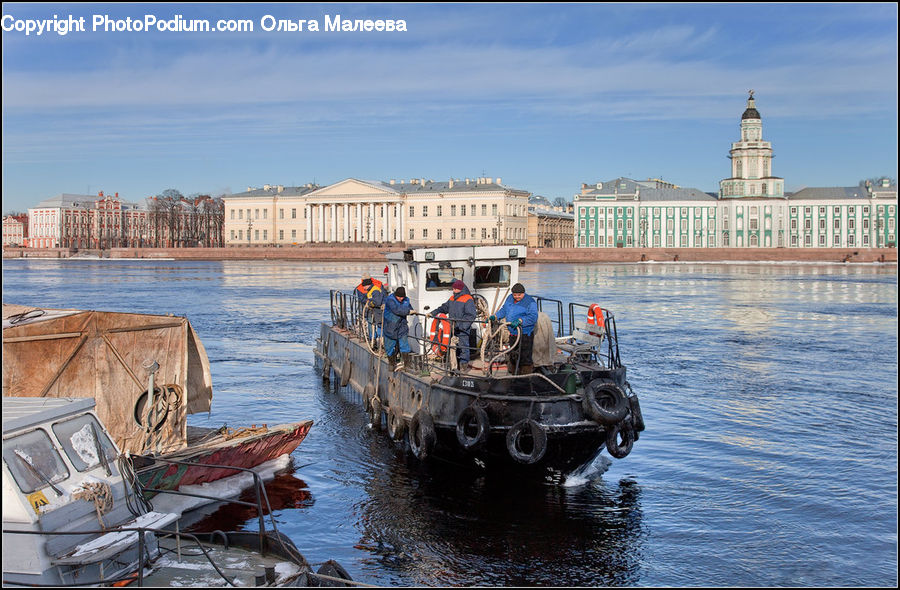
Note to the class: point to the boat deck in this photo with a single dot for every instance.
(190, 567)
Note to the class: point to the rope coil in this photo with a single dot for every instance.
(100, 494)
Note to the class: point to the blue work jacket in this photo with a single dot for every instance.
(525, 310)
(395, 312)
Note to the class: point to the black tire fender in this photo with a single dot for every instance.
(345, 372)
(375, 413)
(396, 425)
(605, 402)
(367, 395)
(326, 370)
(332, 569)
(477, 415)
(422, 436)
(637, 418)
(140, 409)
(516, 437)
(620, 449)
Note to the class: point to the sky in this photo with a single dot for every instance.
(544, 96)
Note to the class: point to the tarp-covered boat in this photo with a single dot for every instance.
(147, 373)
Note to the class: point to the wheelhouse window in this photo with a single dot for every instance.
(438, 279)
(33, 461)
(492, 276)
(82, 439)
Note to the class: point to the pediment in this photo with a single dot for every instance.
(352, 187)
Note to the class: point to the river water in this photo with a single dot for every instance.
(769, 392)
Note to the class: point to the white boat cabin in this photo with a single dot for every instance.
(427, 275)
(54, 451)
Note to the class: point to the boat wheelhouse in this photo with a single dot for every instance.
(556, 418)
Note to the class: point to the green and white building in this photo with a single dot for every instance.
(750, 210)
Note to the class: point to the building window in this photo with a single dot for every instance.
(439, 213)
(462, 234)
(439, 232)
(412, 234)
(484, 232)
(294, 214)
(281, 214)
(494, 210)
(837, 210)
(483, 210)
(240, 213)
(837, 224)
(453, 233)
(412, 212)
(293, 234)
(821, 210)
(265, 213)
(837, 240)
(452, 210)
(281, 234)
(424, 214)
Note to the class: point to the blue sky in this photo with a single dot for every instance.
(545, 96)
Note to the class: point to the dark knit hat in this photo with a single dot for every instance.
(458, 284)
(400, 292)
(367, 281)
(518, 288)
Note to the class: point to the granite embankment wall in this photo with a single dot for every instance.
(572, 255)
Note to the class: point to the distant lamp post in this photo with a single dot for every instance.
(498, 239)
(249, 227)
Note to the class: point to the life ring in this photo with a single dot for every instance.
(604, 402)
(396, 426)
(375, 413)
(345, 372)
(469, 417)
(517, 445)
(620, 449)
(595, 316)
(439, 334)
(421, 435)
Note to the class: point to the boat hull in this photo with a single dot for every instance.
(240, 451)
(572, 438)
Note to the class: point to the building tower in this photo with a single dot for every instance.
(751, 161)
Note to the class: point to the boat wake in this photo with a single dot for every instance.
(587, 472)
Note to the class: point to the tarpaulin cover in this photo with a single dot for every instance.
(99, 354)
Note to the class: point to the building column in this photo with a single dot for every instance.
(347, 236)
(386, 207)
(334, 223)
(359, 222)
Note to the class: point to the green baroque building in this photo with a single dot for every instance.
(751, 209)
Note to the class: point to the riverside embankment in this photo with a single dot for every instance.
(566, 255)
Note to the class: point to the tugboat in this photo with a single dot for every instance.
(574, 403)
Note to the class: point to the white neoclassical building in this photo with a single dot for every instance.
(415, 212)
(750, 210)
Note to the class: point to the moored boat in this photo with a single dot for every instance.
(547, 419)
(73, 516)
(147, 373)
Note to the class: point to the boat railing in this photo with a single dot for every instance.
(258, 488)
(557, 307)
(608, 354)
(143, 560)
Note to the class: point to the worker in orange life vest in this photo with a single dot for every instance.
(461, 310)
